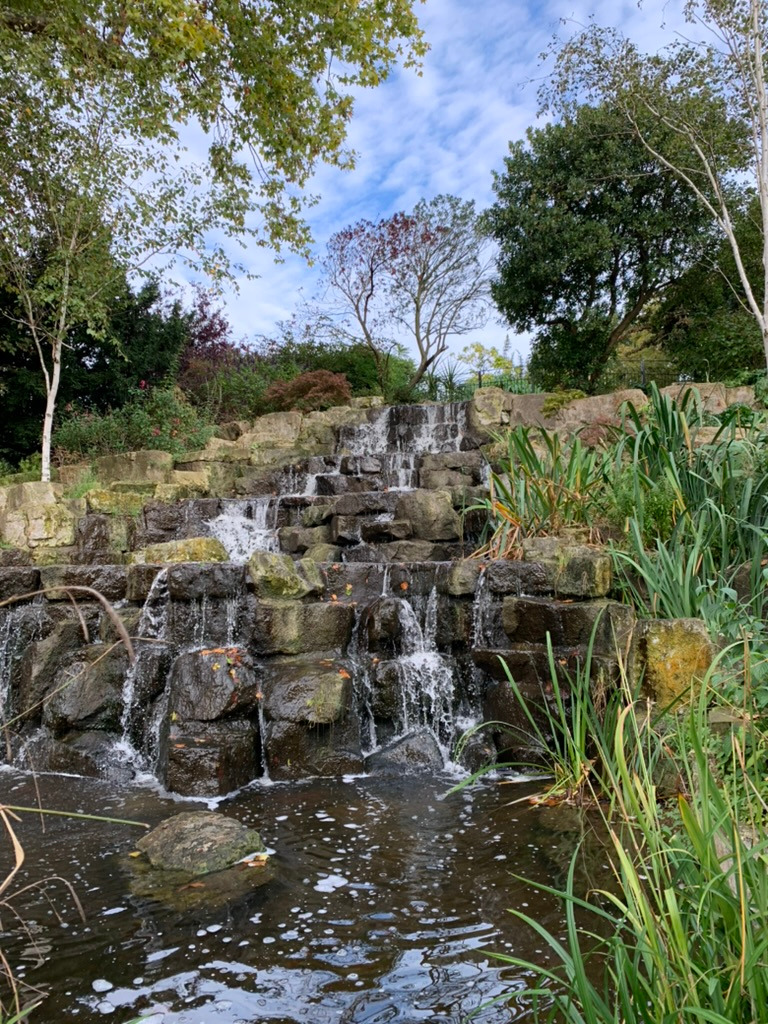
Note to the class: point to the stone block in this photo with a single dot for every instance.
(139, 580)
(18, 580)
(275, 430)
(214, 683)
(112, 503)
(138, 467)
(487, 412)
(192, 581)
(289, 627)
(323, 553)
(463, 577)
(278, 576)
(208, 759)
(86, 694)
(430, 513)
(295, 539)
(193, 549)
(675, 654)
(573, 570)
(109, 580)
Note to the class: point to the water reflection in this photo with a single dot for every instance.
(382, 898)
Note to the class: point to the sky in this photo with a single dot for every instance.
(444, 131)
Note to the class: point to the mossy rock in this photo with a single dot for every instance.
(278, 576)
(193, 549)
(124, 503)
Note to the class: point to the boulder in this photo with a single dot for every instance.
(199, 842)
(676, 655)
(487, 412)
(430, 513)
(193, 549)
(279, 577)
(417, 751)
(213, 683)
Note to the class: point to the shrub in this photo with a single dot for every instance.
(319, 389)
(159, 419)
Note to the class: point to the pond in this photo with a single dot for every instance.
(382, 902)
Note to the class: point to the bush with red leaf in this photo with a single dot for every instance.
(318, 389)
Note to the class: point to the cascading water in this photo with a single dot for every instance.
(247, 526)
(19, 626)
(151, 636)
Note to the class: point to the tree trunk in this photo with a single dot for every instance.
(51, 392)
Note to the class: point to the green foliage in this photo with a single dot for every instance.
(560, 400)
(539, 487)
(157, 419)
(680, 935)
(319, 389)
(590, 229)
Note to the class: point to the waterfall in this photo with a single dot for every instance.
(247, 526)
(151, 635)
(20, 625)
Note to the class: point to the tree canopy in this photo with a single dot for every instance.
(97, 98)
(590, 229)
(422, 274)
(707, 92)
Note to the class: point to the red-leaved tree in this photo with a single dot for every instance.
(421, 277)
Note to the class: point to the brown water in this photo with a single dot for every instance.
(382, 902)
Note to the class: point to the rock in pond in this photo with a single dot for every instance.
(198, 843)
(416, 751)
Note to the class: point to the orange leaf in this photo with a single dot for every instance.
(179, 746)
(403, 585)
(344, 674)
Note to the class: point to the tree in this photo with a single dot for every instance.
(709, 95)
(94, 179)
(423, 275)
(145, 336)
(590, 229)
(702, 322)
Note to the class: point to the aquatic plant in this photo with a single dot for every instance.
(682, 935)
(539, 486)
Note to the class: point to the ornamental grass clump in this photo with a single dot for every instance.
(539, 487)
(682, 933)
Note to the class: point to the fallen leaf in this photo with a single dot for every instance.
(334, 598)
(403, 585)
(135, 853)
(179, 746)
(215, 666)
(344, 674)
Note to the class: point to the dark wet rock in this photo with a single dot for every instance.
(78, 754)
(191, 581)
(312, 725)
(109, 580)
(381, 627)
(139, 581)
(568, 623)
(40, 662)
(199, 842)
(213, 683)
(417, 751)
(317, 691)
(514, 577)
(366, 504)
(16, 580)
(10, 557)
(87, 693)
(211, 759)
(296, 751)
(463, 576)
(376, 530)
(345, 529)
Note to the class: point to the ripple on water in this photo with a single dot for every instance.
(383, 901)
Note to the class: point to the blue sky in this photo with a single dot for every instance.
(442, 132)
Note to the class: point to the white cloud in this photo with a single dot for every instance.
(445, 131)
